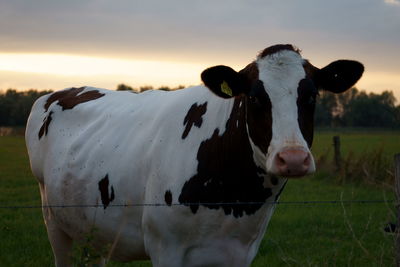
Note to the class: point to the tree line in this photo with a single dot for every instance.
(356, 108)
(353, 108)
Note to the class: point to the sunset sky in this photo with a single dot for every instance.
(49, 44)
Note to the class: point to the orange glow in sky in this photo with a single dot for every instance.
(71, 68)
(58, 71)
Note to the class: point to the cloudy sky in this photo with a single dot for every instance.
(55, 44)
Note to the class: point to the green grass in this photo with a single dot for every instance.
(367, 155)
(22, 231)
(298, 235)
(357, 142)
(329, 234)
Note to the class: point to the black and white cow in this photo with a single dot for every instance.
(203, 152)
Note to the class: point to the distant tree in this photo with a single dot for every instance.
(324, 109)
(356, 108)
(15, 106)
(164, 88)
(145, 88)
(179, 87)
(397, 116)
(370, 110)
(123, 87)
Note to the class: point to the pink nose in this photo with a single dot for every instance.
(292, 162)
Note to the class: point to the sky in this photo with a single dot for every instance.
(54, 44)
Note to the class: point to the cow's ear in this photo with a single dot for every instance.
(224, 81)
(339, 76)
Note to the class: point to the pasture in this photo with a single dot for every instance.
(299, 234)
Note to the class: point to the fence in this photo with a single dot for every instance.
(311, 202)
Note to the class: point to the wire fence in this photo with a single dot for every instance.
(311, 202)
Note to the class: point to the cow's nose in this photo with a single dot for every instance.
(292, 162)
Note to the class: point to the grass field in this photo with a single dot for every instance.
(358, 142)
(298, 235)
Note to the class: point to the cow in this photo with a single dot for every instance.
(183, 178)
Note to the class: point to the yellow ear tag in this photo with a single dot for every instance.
(226, 89)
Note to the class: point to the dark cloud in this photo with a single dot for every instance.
(201, 30)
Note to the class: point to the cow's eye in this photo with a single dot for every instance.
(253, 99)
(307, 92)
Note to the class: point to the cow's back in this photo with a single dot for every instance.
(111, 122)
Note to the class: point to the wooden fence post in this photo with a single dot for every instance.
(338, 158)
(397, 184)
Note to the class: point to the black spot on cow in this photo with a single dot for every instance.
(68, 99)
(274, 179)
(168, 197)
(307, 93)
(194, 117)
(45, 126)
(106, 197)
(226, 172)
(259, 116)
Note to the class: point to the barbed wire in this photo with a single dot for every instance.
(308, 202)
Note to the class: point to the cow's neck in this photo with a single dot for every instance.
(227, 175)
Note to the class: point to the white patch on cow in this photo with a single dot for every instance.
(281, 73)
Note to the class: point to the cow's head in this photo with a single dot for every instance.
(280, 90)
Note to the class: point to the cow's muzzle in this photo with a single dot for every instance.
(293, 162)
